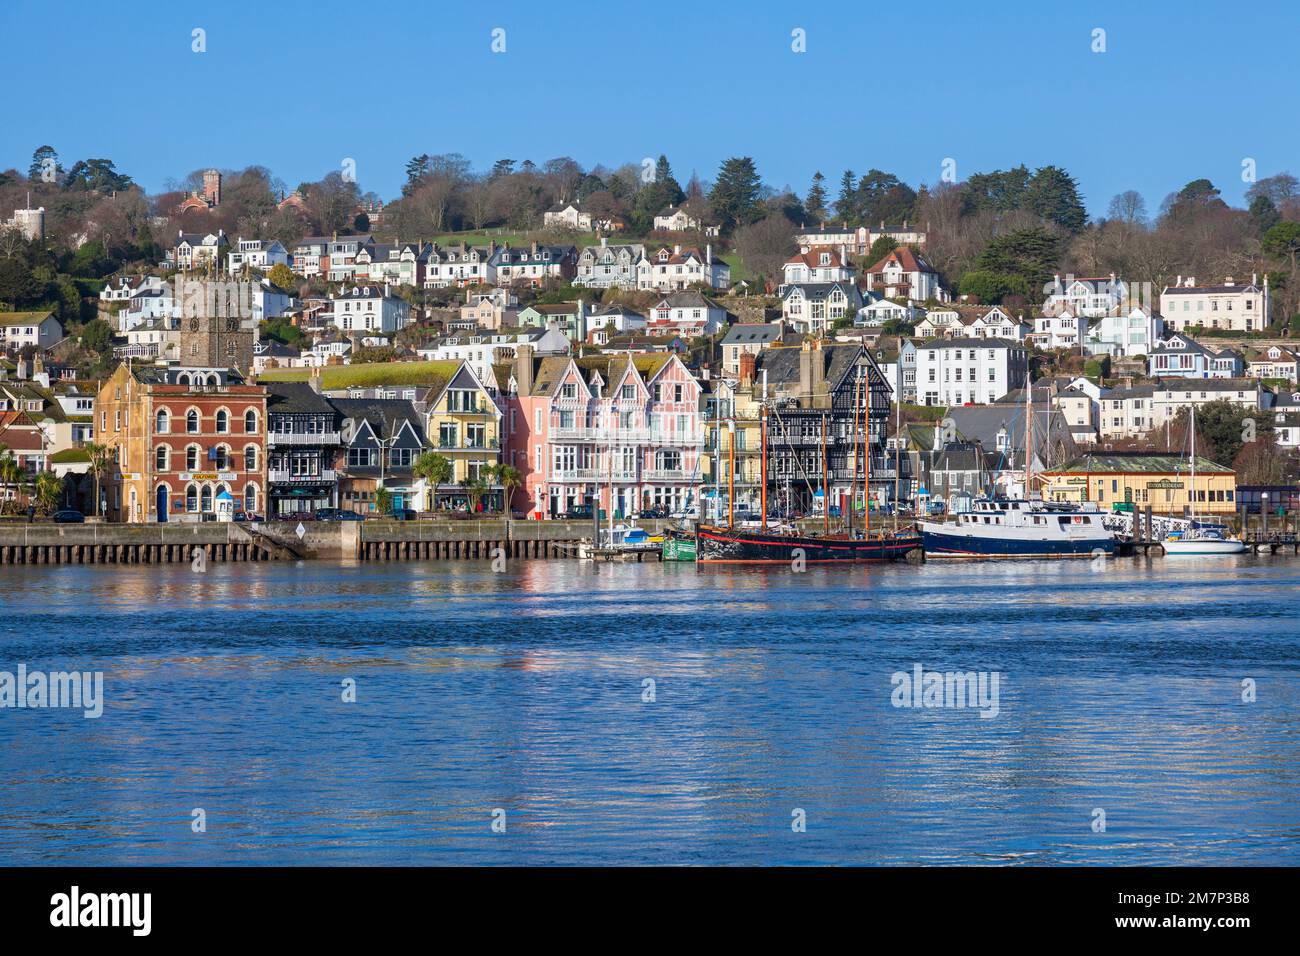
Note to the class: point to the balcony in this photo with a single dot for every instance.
(283, 476)
(490, 443)
(625, 436)
(670, 474)
(302, 438)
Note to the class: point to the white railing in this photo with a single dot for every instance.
(283, 475)
(302, 438)
(624, 436)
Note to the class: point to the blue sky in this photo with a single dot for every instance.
(1183, 90)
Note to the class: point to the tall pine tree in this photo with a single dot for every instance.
(815, 204)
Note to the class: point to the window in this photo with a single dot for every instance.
(191, 498)
(192, 458)
(205, 498)
(250, 422)
(250, 458)
(223, 421)
(161, 457)
(250, 498)
(222, 458)
(192, 421)
(162, 422)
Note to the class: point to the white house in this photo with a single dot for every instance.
(813, 307)
(961, 371)
(671, 269)
(368, 308)
(687, 314)
(269, 301)
(1241, 307)
(682, 219)
(879, 310)
(256, 254)
(193, 250)
(1120, 333)
(905, 274)
(1089, 297)
(817, 264)
(1063, 331)
(39, 329)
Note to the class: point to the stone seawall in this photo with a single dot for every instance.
(372, 540)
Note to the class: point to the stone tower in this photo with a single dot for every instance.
(217, 328)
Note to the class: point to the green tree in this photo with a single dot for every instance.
(847, 200)
(1053, 194)
(98, 337)
(1032, 254)
(436, 470)
(991, 287)
(1221, 429)
(48, 488)
(815, 204)
(882, 247)
(45, 165)
(1263, 214)
(383, 501)
(1282, 242)
(735, 195)
(509, 478)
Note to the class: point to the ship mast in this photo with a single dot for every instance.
(731, 471)
(898, 439)
(853, 483)
(762, 442)
(826, 498)
(1029, 429)
(866, 476)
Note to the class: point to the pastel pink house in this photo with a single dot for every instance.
(613, 427)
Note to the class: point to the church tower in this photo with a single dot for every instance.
(217, 329)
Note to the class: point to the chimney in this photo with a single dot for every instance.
(708, 254)
(677, 250)
(805, 369)
(748, 362)
(314, 380)
(534, 249)
(524, 369)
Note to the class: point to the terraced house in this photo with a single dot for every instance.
(613, 429)
(605, 266)
(463, 422)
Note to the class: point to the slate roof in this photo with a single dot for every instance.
(295, 397)
(1139, 462)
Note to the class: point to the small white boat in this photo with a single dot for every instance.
(1200, 538)
(621, 542)
(1203, 540)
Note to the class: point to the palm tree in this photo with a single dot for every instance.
(383, 500)
(435, 469)
(509, 478)
(11, 473)
(100, 456)
(48, 488)
(474, 490)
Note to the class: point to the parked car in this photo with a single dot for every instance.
(346, 515)
(936, 508)
(654, 513)
(328, 514)
(404, 514)
(687, 514)
(579, 513)
(69, 516)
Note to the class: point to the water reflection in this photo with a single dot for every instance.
(525, 690)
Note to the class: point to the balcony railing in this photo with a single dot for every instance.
(651, 436)
(303, 438)
(469, 445)
(669, 474)
(283, 475)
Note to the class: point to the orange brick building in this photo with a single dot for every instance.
(180, 437)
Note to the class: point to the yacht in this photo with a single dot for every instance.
(1201, 537)
(1019, 528)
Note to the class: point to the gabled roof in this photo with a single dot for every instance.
(906, 259)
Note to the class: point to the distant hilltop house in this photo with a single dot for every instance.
(193, 250)
(30, 222)
(818, 264)
(1275, 362)
(209, 197)
(683, 219)
(571, 215)
(859, 239)
(1237, 307)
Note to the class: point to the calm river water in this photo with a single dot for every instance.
(523, 698)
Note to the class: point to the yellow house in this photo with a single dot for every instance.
(1142, 478)
(463, 424)
(731, 409)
